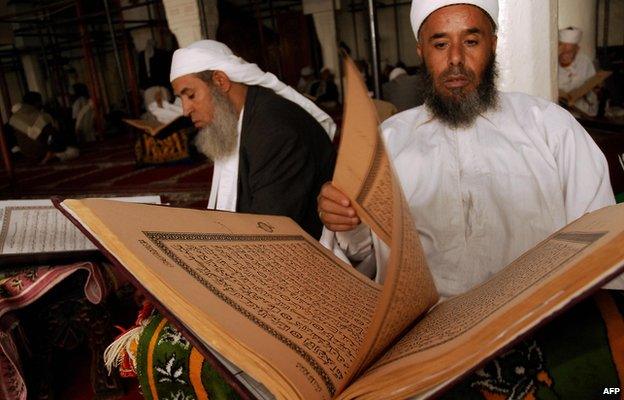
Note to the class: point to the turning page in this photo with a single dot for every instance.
(363, 172)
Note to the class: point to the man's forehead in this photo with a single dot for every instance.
(184, 83)
(471, 18)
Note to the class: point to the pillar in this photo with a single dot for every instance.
(527, 47)
(183, 20)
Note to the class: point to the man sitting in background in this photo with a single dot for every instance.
(82, 114)
(575, 69)
(403, 90)
(271, 146)
(37, 134)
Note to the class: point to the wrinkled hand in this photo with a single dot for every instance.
(335, 211)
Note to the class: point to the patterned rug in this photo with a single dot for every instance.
(108, 168)
(23, 288)
(578, 355)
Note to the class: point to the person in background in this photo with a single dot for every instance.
(306, 81)
(575, 68)
(82, 114)
(325, 91)
(403, 90)
(37, 133)
(158, 106)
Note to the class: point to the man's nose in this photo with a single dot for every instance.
(456, 55)
(186, 108)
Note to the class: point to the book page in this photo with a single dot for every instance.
(362, 169)
(35, 226)
(157, 128)
(149, 126)
(587, 87)
(257, 289)
(461, 332)
(363, 172)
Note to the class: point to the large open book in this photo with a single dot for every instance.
(265, 296)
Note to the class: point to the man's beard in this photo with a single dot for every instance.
(218, 139)
(461, 109)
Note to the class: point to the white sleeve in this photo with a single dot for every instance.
(354, 247)
(583, 169)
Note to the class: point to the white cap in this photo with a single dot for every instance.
(396, 72)
(421, 9)
(570, 35)
(215, 56)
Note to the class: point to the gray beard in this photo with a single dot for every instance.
(462, 109)
(219, 139)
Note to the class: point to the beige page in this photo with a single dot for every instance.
(149, 126)
(365, 175)
(459, 334)
(257, 289)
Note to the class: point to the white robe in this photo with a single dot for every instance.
(573, 76)
(482, 196)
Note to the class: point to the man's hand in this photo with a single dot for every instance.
(335, 211)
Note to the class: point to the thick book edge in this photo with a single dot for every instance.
(230, 379)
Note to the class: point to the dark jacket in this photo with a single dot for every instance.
(285, 157)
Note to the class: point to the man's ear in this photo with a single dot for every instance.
(221, 81)
(419, 49)
(494, 41)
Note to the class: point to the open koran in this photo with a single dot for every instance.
(33, 231)
(267, 297)
(573, 95)
(158, 129)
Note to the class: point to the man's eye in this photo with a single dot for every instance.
(471, 43)
(191, 96)
(440, 45)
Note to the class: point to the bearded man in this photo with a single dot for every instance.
(575, 69)
(487, 174)
(271, 146)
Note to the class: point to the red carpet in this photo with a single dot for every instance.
(107, 168)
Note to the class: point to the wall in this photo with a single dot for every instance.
(581, 14)
(616, 23)
(325, 24)
(387, 34)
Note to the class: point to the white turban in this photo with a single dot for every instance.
(570, 35)
(421, 9)
(396, 72)
(215, 56)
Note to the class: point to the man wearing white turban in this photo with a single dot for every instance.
(270, 145)
(487, 174)
(575, 68)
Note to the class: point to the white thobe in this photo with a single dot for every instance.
(165, 114)
(483, 195)
(573, 76)
(224, 189)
